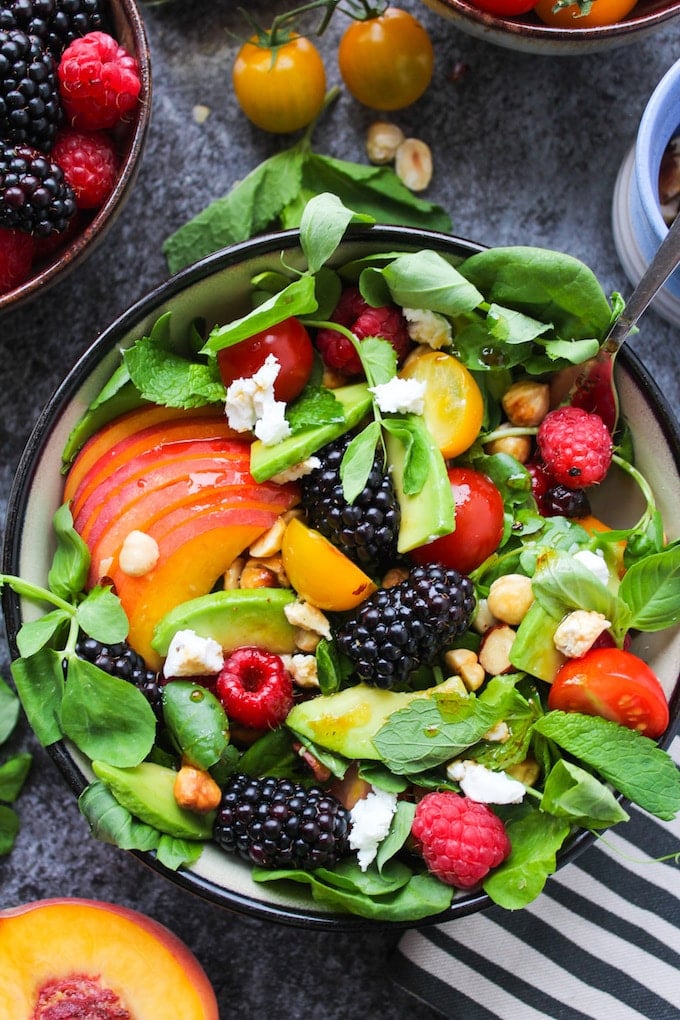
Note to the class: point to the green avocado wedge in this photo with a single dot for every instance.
(146, 791)
(244, 616)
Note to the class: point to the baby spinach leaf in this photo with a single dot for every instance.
(417, 738)
(426, 279)
(39, 680)
(358, 460)
(400, 830)
(298, 298)
(536, 837)
(110, 822)
(322, 226)
(102, 617)
(372, 882)
(107, 718)
(651, 590)
(512, 327)
(68, 572)
(9, 827)
(9, 710)
(631, 762)
(35, 634)
(271, 755)
(547, 285)
(167, 378)
(174, 853)
(13, 774)
(578, 796)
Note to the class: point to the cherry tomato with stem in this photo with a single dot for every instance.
(479, 524)
(280, 87)
(600, 12)
(614, 684)
(288, 342)
(386, 60)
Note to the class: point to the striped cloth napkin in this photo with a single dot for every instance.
(602, 941)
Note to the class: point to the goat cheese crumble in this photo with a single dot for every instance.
(252, 407)
(400, 396)
(426, 327)
(371, 818)
(483, 785)
(190, 654)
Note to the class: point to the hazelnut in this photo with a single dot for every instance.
(382, 141)
(413, 164)
(526, 402)
(196, 790)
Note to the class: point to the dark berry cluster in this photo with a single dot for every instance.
(398, 629)
(122, 661)
(276, 823)
(367, 529)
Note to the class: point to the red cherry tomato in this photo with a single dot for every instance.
(290, 344)
(614, 684)
(479, 523)
(505, 8)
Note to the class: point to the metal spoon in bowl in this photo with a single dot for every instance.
(593, 388)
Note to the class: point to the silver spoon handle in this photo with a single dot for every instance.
(666, 260)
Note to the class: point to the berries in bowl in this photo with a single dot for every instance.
(321, 707)
(74, 111)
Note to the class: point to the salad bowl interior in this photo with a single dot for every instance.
(217, 290)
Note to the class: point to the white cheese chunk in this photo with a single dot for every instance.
(371, 818)
(190, 654)
(252, 407)
(483, 785)
(426, 327)
(578, 631)
(595, 562)
(400, 396)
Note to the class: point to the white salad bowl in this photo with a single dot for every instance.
(216, 290)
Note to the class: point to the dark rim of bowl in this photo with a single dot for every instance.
(266, 244)
(131, 33)
(548, 34)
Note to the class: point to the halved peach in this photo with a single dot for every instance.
(320, 573)
(125, 425)
(84, 952)
(209, 427)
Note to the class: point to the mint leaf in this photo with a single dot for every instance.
(316, 405)
(632, 763)
(651, 589)
(166, 378)
(250, 207)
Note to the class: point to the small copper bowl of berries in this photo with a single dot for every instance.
(75, 92)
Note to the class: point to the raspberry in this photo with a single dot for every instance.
(99, 82)
(16, 257)
(460, 839)
(353, 312)
(90, 165)
(576, 447)
(255, 688)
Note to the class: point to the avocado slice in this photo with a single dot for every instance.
(245, 616)
(266, 461)
(146, 790)
(533, 649)
(427, 514)
(346, 722)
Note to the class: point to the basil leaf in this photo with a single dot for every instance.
(322, 227)
(13, 774)
(576, 795)
(425, 279)
(651, 590)
(298, 298)
(102, 617)
(107, 718)
(357, 461)
(535, 840)
(68, 573)
(632, 763)
(39, 680)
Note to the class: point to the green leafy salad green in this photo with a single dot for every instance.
(514, 312)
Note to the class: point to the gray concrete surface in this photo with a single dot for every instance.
(526, 151)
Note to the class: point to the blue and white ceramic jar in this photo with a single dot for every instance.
(637, 220)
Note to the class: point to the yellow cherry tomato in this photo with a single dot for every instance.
(386, 62)
(454, 406)
(280, 89)
(602, 12)
(319, 572)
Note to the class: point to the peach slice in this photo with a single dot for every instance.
(119, 428)
(103, 957)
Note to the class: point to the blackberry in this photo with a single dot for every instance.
(31, 16)
(276, 823)
(558, 500)
(34, 197)
(30, 108)
(398, 629)
(366, 530)
(71, 20)
(124, 662)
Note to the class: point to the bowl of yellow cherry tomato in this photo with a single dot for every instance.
(558, 26)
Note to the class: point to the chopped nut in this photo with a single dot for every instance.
(139, 554)
(232, 574)
(308, 617)
(306, 640)
(302, 669)
(510, 597)
(526, 402)
(483, 618)
(498, 734)
(413, 164)
(464, 663)
(527, 771)
(518, 447)
(256, 574)
(453, 685)
(382, 141)
(320, 772)
(457, 657)
(269, 543)
(494, 652)
(394, 576)
(196, 790)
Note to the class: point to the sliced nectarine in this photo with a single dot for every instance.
(102, 960)
(148, 439)
(125, 425)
